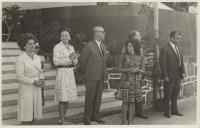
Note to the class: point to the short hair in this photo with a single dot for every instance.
(173, 33)
(66, 29)
(132, 34)
(24, 38)
(136, 46)
(95, 27)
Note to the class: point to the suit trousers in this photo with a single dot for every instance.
(138, 108)
(93, 99)
(171, 92)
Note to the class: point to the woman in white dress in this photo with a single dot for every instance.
(31, 80)
(65, 89)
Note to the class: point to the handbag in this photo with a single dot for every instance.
(123, 90)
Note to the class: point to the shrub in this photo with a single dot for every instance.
(10, 22)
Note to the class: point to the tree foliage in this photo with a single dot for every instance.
(10, 19)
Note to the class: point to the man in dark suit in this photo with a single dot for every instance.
(92, 64)
(172, 71)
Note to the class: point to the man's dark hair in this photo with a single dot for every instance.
(173, 33)
(24, 38)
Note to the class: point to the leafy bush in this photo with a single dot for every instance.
(49, 36)
(32, 22)
(10, 22)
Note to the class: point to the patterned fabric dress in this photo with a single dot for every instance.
(131, 88)
(65, 89)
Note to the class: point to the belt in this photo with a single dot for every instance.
(65, 66)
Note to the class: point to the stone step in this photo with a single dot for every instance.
(74, 112)
(12, 76)
(13, 87)
(50, 92)
(10, 67)
(9, 59)
(11, 99)
(11, 52)
(51, 106)
(11, 81)
(12, 58)
(81, 96)
(8, 63)
(10, 45)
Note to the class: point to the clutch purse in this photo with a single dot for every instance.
(122, 94)
(73, 55)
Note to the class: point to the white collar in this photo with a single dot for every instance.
(98, 42)
(65, 45)
(173, 45)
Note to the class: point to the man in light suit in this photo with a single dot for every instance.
(92, 64)
(172, 71)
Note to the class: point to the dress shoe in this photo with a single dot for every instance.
(86, 123)
(142, 116)
(98, 121)
(177, 114)
(167, 115)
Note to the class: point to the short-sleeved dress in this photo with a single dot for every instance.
(131, 89)
(65, 88)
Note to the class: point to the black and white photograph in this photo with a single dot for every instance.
(99, 63)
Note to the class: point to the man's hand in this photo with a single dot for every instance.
(166, 79)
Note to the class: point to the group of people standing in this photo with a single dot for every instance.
(92, 63)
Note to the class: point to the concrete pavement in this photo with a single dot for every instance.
(187, 107)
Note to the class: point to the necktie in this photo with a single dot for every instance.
(101, 50)
(178, 55)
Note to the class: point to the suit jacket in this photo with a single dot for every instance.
(169, 63)
(92, 63)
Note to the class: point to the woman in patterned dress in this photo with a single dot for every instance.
(131, 59)
(65, 89)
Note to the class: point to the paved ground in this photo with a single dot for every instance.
(186, 106)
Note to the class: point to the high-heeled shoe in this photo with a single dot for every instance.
(65, 123)
(124, 122)
(59, 122)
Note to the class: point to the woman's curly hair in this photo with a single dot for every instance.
(24, 38)
(136, 46)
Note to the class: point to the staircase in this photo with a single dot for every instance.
(10, 51)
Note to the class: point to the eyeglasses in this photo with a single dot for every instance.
(37, 47)
(101, 31)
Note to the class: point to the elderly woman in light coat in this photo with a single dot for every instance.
(31, 80)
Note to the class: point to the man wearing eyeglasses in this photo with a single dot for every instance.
(92, 64)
